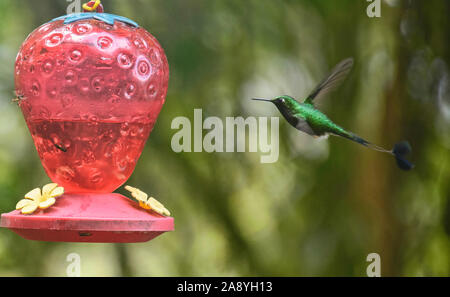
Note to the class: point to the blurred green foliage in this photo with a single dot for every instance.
(325, 205)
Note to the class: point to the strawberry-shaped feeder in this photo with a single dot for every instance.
(90, 86)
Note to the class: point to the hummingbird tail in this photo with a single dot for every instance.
(364, 142)
(399, 151)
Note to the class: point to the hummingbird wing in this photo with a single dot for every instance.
(332, 81)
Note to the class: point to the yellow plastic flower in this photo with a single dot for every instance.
(94, 7)
(147, 203)
(35, 199)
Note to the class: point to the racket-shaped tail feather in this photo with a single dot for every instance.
(400, 150)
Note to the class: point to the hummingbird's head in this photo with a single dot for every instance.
(279, 101)
(284, 100)
(285, 104)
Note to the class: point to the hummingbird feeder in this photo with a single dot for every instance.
(90, 86)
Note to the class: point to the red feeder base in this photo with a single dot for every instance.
(89, 218)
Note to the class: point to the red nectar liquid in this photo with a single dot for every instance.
(89, 156)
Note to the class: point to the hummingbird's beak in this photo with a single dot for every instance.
(258, 99)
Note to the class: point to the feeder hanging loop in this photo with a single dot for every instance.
(92, 6)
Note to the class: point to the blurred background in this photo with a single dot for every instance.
(326, 204)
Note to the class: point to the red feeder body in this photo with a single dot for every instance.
(91, 93)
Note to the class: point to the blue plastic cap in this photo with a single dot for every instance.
(105, 17)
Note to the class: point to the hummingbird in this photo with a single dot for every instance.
(304, 116)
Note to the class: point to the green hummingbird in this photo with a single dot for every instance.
(308, 119)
